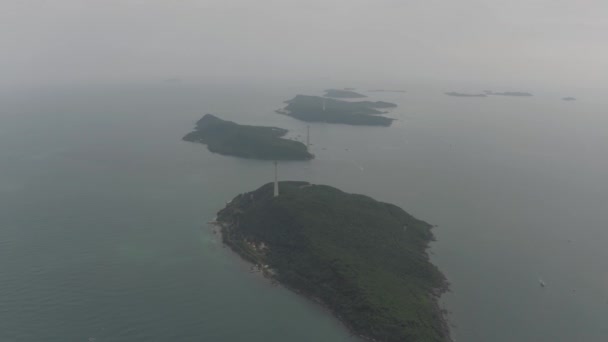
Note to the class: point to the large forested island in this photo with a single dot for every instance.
(365, 260)
(319, 109)
(343, 93)
(229, 138)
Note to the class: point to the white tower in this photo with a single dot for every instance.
(276, 180)
(307, 137)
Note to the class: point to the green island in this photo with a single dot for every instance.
(319, 109)
(258, 142)
(343, 93)
(363, 259)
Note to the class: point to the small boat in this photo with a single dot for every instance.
(541, 282)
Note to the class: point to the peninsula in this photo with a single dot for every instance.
(453, 93)
(342, 93)
(319, 109)
(258, 142)
(363, 259)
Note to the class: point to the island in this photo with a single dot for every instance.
(363, 259)
(342, 93)
(453, 93)
(258, 142)
(319, 109)
(569, 98)
(508, 93)
(386, 91)
(375, 104)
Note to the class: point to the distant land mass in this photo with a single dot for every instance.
(386, 91)
(363, 259)
(340, 93)
(319, 109)
(257, 142)
(508, 93)
(375, 104)
(453, 93)
(569, 98)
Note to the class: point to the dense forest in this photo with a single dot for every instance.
(229, 138)
(319, 109)
(365, 260)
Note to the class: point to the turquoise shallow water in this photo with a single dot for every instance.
(103, 212)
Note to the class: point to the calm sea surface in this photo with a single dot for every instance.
(103, 212)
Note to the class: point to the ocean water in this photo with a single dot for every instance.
(103, 212)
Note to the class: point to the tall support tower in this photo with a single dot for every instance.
(276, 179)
(307, 137)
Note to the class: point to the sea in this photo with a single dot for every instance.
(104, 211)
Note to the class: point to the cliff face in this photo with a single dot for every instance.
(365, 260)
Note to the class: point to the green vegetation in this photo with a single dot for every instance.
(346, 93)
(365, 260)
(316, 108)
(229, 138)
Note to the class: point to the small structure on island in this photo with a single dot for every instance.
(276, 179)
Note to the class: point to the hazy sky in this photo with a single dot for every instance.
(515, 42)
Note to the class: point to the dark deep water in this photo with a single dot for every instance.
(103, 212)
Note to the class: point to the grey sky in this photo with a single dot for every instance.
(516, 42)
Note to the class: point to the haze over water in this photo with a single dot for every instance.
(103, 211)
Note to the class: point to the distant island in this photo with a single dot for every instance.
(569, 98)
(345, 93)
(386, 91)
(508, 93)
(319, 109)
(258, 142)
(453, 93)
(363, 259)
(375, 104)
